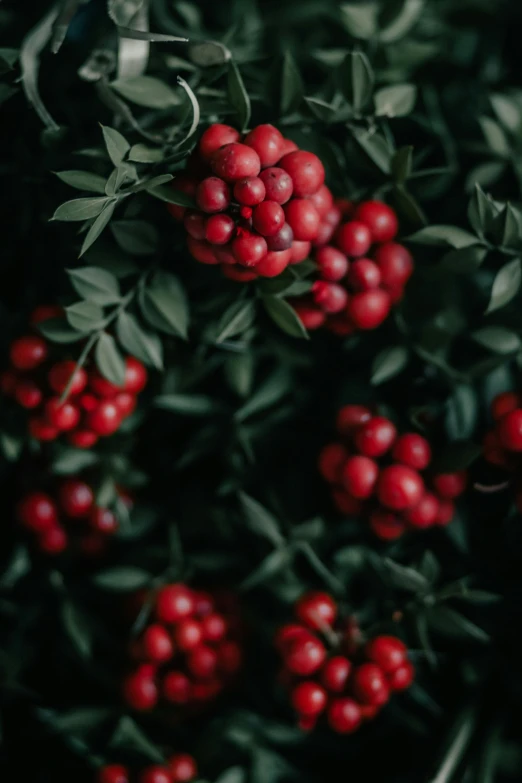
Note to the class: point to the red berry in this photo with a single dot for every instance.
(194, 223)
(113, 773)
(181, 185)
(250, 191)
(369, 685)
(174, 603)
(100, 386)
(335, 673)
(369, 309)
(268, 218)
(212, 195)
(333, 265)
(213, 627)
(236, 161)
(219, 229)
(311, 317)
(331, 297)
(380, 219)
(304, 655)
(386, 526)
(505, 403)
(8, 382)
(316, 610)
(26, 353)
(273, 263)
(27, 394)
(188, 634)
(282, 240)
(106, 419)
(202, 662)
(62, 415)
(268, 142)
(350, 417)
(126, 403)
(412, 450)
(53, 541)
(202, 251)
(300, 251)
(82, 439)
(375, 436)
(45, 313)
(203, 604)
(399, 487)
(331, 462)
(344, 715)
(288, 146)
(249, 249)
(76, 498)
(278, 184)
(140, 691)
(156, 774)
(303, 218)
(157, 644)
(287, 633)
(306, 170)
(103, 520)
(322, 200)
(446, 512)
(395, 263)
(40, 429)
(388, 652)
(509, 430)
(402, 677)
(450, 485)
(346, 504)
(223, 254)
(325, 233)
(364, 275)
(60, 375)
(176, 688)
(308, 698)
(230, 657)
(182, 768)
(359, 476)
(238, 274)
(215, 137)
(354, 238)
(425, 513)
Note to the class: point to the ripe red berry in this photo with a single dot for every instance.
(331, 297)
(268, 218)
(380, 219)
(62, 415)
(396, 264)
(344, 715)
(157, 644)
(353, 238)
(273, 263)
(194, 223)
(60, 375)
(399, 487)
(278, 184)
(375, 436)
(174, 603)
(126, 403)
(113, 773)
(202, 251)
(45, 313)
(268, 142)
(140, 691)
(215, 137)
(219, 229)
(230, 657)
(322, 200)
(176, 687)
(359, 476)
(310, 316)
(185, 185)
(212, 195)
(300, 251)
(53, 541)
(346, 504)
(303, 219)
(425, 513)
(250, 191)
(333, 265)
(156, 774)
(509, 430)
(282, 240)
(103, 520)
(288, 146)
(238, 274)
(27, 394)
(386, 526)
(236, 161)
(287, 634)
(325, 233)
(304, 655)
(505, 403)
(388, 652)
(182, 768)
(412, 450)
(402, 677)
(306, 170)
(188, 634)
(308, 698)
(40, 429)
(213, 627)
(76, 498)
(106, 419)
(82, 439)
(335, 673)
(316, 610)
(26, 353)
(450, 485)
(249, 249)
(100, 386)
(202, 662)
(369, 309)
(446, 512)
(351, 417)
(369, 685)
(364, 275)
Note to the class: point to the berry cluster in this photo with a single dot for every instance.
(503, 444)
(94, 407)
(362, 271)
(328, 673)
(260, 199)
(180, 768)
(69, 517)
(189, 653)
(377, 473)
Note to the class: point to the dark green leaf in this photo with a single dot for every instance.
(239, 372)
(238, 96)
(83, 180)
(375, 146)
(485, 174)
(260, 520)
(95, 284)
(85, 316)
(144, 345)
(116, 144)
(429, 566)
(146, 91)
(360, 19)
(408, 206)
(165, 304)
(171, 196)
(122, 579)
(235, 320)
(506, 285)
(209, 53)
(405, 577)
(389, 363)
(464, 261)
(80, 209)
(271, 565)
(292, 88)
(511, 228)
(18, 566)
(232, 775)
(395, 101)
(189, 404)
(284, 316)
(128, 735)
(451, 623)
(77, 628)
(462, 411)
(98, 226)
(109, 360)
(401, 164)
(480, 211)
(357, 79)
(136, 236)
(441, 236)
(407, 15)
(498, 339)
(266, 395)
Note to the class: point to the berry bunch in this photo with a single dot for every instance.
(503, 444)
(260, 201)
(327, 672)
(362, 271)
(379, 474)
(94, 407)
(69, 517)
(180, 768)
(188, 654)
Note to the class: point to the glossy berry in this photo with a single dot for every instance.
(273, 263)
(369, 684)
(40, 429)
(380, 219)
(157, 644)
(306, 171)
(316, 610)
(215, 137)
(450, 485)
(331, 297)
(82, 439)
(322, 200)
(412, 450)
(156, 774)
(268, 218)
(113, 773)
(202, 251)
(311, 316)
(106, 419)
(53, 541)
(250, 191)
(268, 142)
(351, 417)
(395, 263)
(202, 662)
(300, 251)
(140, 691)
(181, 185)
(195, 223)
(174, 603)
(388, 652)
(182, 768)
(249, 249)
(344, 715)
(126, 403)
(212, 195)
(103, 520)
(375, 437)
(386, 526)
(176, 687)
(308, 698)
(101, 387)
(359, 476)
(304, 655)
(364, 275)
(445, 513)
(60, 376)
(346, 504)
(278, 184)
(28, 394)
(236, 161)
(219, 229)
(76, 498)
(510, 430)
(213, 627)
(282, 240)
(425, 513)
(332, 263)
(402, 677)
(62, 415)
(287, 634)
(354, 239)
(27, 353)
(188, 634)
(303, 218)
(335, 673)
(399, 487)
(369, 309)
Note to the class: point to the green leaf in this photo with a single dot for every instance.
(144, 345)
(238, 96)
(77, 629)
(407, 205)
(357, 79)
(360, 19)
(458, 455)
(395, 101)
(57, 330)
(235, 320)
(292, 88)
(239, 372)
(485, 174)
(462, 412)
(406, 17)
(401, 164)
(70, 461)
(510, 228)
(441, 236)
(82, 180)
(452, 623)
(85, 316)
(140, 153)
(165, 305)
(121, 579)
(129, 736)
(464, 261)
(272, 390)
(375, 146)
(17, 567)
(190, 404)
(80, 209)
(171, 196)
(498, 339)
(232, 775)
(116, 144)
(507, 111)
(284, 316)
(270, 567)
(95, 284)
(480, 211)
(260, 520)
(136, 237)
(122, 12)
(505, 285)
(146, 91)
(99, 224)
(405, 577)
(109, 360)
(389, 363)
(495, 137)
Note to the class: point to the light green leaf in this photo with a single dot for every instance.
(260, 520)
(144, 345)
(189, 404)
(109, 360)
(357, 79)
(171, 196)
(165, 305)
(147, 91)
(116, 144)
(406, 17)
(85, 316)
(95, 284)
(82, 180)
(495, 137)
(505, 285)
(360, 19)
(80, 209)
(238, 96)
(389, 363)
(395, 101)
(507, 111)
(497, 339)
(99, 224)
(122, 579)
(235, 320)
(375, 146)
(140, 153)
(440, 236)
